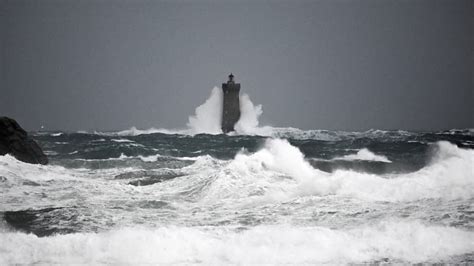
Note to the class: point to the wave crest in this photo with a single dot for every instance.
(279, 171)
(364, 155)
(390, 241)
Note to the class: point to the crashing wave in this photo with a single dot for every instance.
(389, 241)
(207, 120)
(208, 116)
(364, 155)
(280, 172)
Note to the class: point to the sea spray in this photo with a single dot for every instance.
(207, 119)
(392, 241)
(366, 155)
(208, 116)
(248, 123)
(448, 178)
(241, 199)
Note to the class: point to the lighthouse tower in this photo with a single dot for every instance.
(231, 109)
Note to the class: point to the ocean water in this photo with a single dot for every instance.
(263, 195)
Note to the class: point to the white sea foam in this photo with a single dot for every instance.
(207, 118)
(248, 123)
(15, 170)
(121, 140)
(133, 131)
(154, 158)
(364, 155)
(449, 176)
(279, 171)
(149, 158)
(279, 244)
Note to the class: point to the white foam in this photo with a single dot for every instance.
(280, 244)
(364, 155)
(151, 158)
(16, 170)
(248, 123)
(133, 131)
(449, 176)
(207, 118)
(154, 158)
(121, 140)
(279, 172)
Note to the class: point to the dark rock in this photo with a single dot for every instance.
(15, 141)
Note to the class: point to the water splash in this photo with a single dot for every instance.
(279, 172)
(364, 155)
(208, 116)
(393, 241)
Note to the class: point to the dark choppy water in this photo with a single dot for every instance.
(292, 198)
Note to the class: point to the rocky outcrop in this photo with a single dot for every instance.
(15, 141)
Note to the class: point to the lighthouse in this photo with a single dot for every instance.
(231, 108)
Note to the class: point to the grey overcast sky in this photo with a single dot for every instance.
(346, 65)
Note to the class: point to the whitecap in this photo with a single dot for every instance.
(392, 241)
(449, 176)
(364, 155)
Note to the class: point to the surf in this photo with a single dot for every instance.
(388, 241)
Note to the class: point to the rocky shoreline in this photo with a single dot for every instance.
(15, 141)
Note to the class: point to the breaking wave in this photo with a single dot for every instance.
(133, 131)
(389, 241)
(280, 172)
(207, 119)
(399, 197)
(364, 155)
(264, 205)
(208, 116)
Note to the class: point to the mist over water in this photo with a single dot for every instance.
(260, 195)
